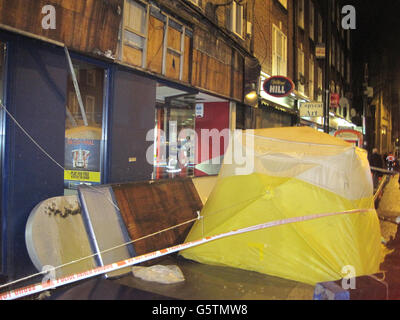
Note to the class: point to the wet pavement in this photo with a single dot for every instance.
(389, 208)
(220, 283)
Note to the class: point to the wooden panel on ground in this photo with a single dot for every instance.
(149, 207)
(204, 186)
(105, 227)
(55, 235)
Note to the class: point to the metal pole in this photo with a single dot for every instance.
(365, 97)
(328, 25)
(75, 82)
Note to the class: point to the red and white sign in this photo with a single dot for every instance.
(351, 136)
(335, 98)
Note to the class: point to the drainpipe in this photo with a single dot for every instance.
(328, 25)
(252, 27)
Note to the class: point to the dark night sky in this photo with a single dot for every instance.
(378, 24)
(376, 39)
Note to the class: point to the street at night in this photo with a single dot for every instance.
(199, 155)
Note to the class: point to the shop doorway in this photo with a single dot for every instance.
(191, 133)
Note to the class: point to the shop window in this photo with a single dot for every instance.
(300, 13)
(84, 127)
(236, 18)
(175, 149)
(135, 32)
(279, 52)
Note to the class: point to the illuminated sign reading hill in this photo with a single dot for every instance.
(278, 86)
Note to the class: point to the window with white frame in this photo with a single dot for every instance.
(300, 73)
(173, 48)
(279, 52)
(236, 18)
(320, 81)
(300, 13)
(283, 3)
(311, 78)
(135, 27)
(312, 20)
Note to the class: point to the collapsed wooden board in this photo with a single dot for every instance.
(145, 206)
(149, 207)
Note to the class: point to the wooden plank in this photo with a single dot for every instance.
(75, 21)
(194, 78)
(174, 39)
(186, 63)
(173, 65)
(155, 45)
(147, 208)
(132, 56)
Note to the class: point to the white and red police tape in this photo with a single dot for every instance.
(51, 284)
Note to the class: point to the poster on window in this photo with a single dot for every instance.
(82, 162)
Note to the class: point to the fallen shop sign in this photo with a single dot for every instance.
(278, 86)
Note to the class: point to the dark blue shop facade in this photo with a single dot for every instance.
(104, 143)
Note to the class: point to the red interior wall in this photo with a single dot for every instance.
(216, 116)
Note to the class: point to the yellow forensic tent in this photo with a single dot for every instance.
(275, 174)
